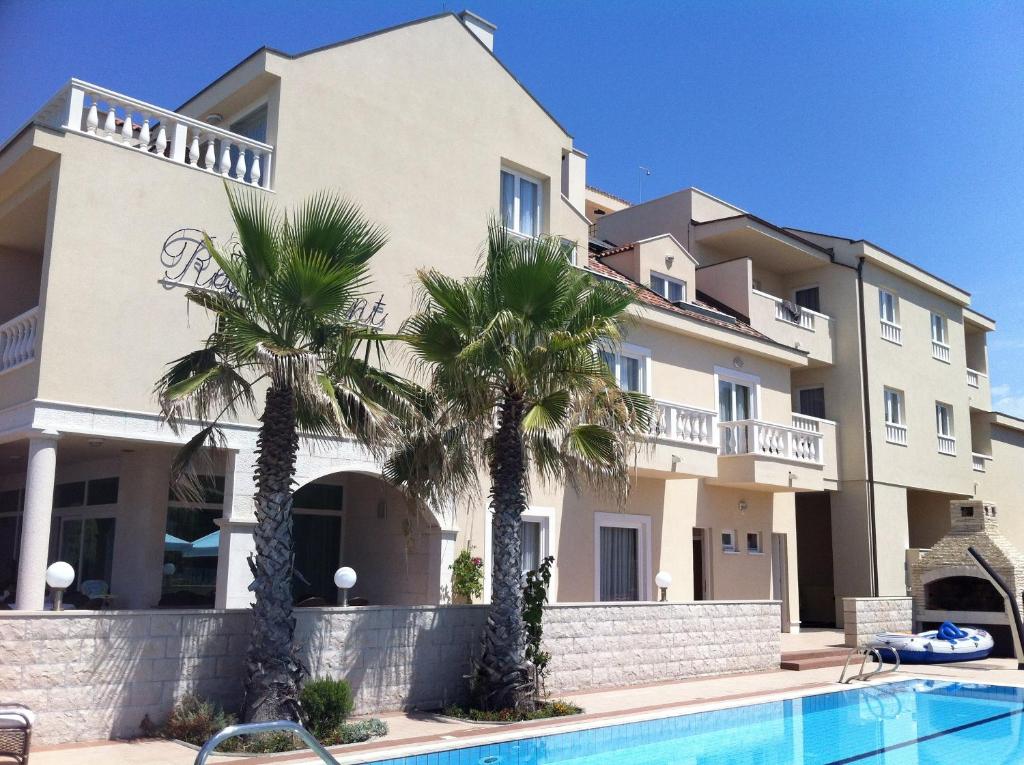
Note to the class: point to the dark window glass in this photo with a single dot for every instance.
(103, 491)
(212, 489)
(10, 501)
(191, 577)
(317, 556)
(812, 402)
(808, 298)
(10, 543)
(69, 494)
(318, 496)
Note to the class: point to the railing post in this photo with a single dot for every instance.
(179, 142)
(74, 107)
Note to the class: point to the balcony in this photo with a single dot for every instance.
(18, 340)
(980, 390)
(947, 445)
(135, 125)
(980, 462)
(891, 331)
(771, 456)
(684, 443)
(940, 351)
(808, 330)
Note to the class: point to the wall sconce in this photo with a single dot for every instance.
(742, 505)
(669, 260)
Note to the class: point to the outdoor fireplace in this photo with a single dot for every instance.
(947, 584)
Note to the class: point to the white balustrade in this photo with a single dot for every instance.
(896, 434)
(804, 317)
(947, 445)
(18, 340)
(134, 124)
(940, 351)
(978, 462)
(685, 424)
(973, 378)
(892, 332)
(756, 437)
(806, 422)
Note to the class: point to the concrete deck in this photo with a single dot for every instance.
(415, 732)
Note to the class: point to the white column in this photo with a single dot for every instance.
(236, 532)
(35, 529)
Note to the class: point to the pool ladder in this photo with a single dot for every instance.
(248, 729)
(869, 651)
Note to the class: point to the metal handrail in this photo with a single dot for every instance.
(248, 729)
(866, 651)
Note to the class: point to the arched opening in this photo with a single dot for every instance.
(962, 593)
(357, 519)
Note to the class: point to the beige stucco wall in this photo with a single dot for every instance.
(1003, 482)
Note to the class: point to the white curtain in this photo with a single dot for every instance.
(619, 563)
(508, 199)
(527, 208)
(530, 534)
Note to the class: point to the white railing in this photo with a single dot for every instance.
(896, 434)
(973, 378)
(947, 445)
(137, 125)
(940, 351)
(978, 462)
(803, 318)
(18, 340)
(685, 424)
(892, 332)
(806, 422)
(756, 437)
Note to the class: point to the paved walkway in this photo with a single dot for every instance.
(415, 732)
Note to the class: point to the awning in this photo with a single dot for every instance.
(173, 544)
(204, 547)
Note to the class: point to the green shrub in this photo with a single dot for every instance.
(195, 720)
(326, 704)
(361, 730)
(554, 708)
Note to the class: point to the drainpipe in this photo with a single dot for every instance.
(872, 533)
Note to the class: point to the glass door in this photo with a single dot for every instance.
(734, 403)
(88, 545)
(620, 563)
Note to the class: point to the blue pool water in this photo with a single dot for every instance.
(915, 722)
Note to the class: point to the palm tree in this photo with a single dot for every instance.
(285, 326)
(514, 356)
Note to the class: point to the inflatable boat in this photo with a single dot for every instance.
(946, 644)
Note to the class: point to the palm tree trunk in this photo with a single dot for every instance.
(273, 673)
(504, 678)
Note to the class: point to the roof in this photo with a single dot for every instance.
(767, 224)
(368, 35)
(609, 195)
(652, 298)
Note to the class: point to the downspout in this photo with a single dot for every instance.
(870, 455)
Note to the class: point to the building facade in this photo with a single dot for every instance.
(771, 475)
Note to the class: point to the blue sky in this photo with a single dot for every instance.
(899, 122)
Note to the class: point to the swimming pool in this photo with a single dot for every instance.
(919, 722)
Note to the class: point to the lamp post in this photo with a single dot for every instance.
(344, 580)
(59, 577)
(663, 580)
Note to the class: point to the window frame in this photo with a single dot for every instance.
(645, 574)
(731, 548)
(950, 423)
(518, 177)
(799, 401)
(753, 382)
(641, 354)
(759, 549)
(542, 516)
(667, 280)
(901, 410)
(895, 320)
(805, 288)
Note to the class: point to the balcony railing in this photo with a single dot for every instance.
(756, 437)
(18, 340)
(803, 317)
(891, 332)
(136, 125)
(806, 422)
(685, 424)
(973, 378)
(940, 351)
(896, 434)
(947, 445)
(980, 462)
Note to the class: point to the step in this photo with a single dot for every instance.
(803, 660)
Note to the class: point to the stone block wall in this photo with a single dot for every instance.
(97, 675)
(863, 618)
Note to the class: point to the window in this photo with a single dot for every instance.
(944, 428)
(808, 297)
(69, 494)
(192, 546)
(811, 401)
(520, 203)
(940, 337)
(889, 316)
(673, 290)
(102, 491)
(88, 545)
(318, 541)
(729, 541)
(10, 540)
(531, 556)
(754, 542)
(629, 368)
(736, 403)
(622, 556)
(734, 400)
(895, 424)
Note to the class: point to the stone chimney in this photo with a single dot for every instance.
(482, 28)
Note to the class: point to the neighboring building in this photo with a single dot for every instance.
(896, 358)
(747, 335)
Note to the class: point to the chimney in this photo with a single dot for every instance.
(482, 28)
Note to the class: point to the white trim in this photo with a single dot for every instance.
(641, 354)
(520, 176)
(743, 378)
(760, 543)
(645, 572)
(549, 543)
(670, 280)
(732, 549)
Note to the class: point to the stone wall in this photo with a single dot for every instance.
(97, 675)
(863, 618)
